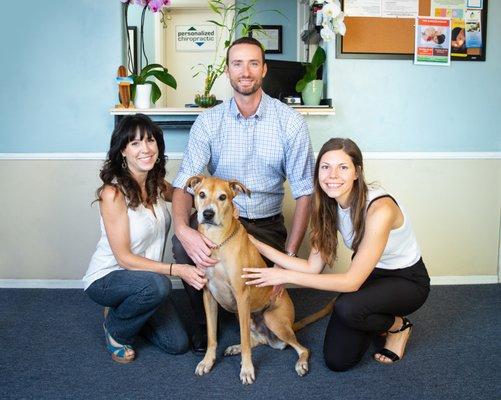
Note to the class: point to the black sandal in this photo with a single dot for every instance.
(406, 324)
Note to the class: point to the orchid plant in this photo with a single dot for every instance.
(332, 22)
(149, 70)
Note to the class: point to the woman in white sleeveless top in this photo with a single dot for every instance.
(126, 274)
(387, 278)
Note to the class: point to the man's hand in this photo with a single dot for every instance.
(197, 246)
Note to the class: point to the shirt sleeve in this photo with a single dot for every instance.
(196, 155)
(299, 162)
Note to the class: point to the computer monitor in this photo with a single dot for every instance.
(281, 78)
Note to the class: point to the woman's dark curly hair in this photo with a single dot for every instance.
(114, 174)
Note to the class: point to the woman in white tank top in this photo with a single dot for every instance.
(387, 278)
(126, 274)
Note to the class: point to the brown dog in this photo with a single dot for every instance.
(263, 318)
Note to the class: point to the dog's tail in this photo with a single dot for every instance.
(327, 309)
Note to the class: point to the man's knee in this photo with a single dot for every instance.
(179, 253)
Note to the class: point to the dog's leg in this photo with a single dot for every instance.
(247, 375)
(255, 340)
(210, 306)
(281, 325)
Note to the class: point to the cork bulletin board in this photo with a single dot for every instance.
(393, 38)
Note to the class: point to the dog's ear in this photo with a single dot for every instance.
(193, 182)
(238, 187)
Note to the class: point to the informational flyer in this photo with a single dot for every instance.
(448, 8)
(382, 8)
(400, 8)
(458, 38)
(474, 4)
(362, 8)
(433, 41)
(473, 29)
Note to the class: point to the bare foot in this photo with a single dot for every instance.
(395, 342)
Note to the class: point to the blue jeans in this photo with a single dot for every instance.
(140, 302)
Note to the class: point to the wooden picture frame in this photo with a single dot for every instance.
(270, 37)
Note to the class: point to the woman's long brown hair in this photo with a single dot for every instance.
(115, 175)
(324, 220)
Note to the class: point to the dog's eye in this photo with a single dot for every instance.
(202, 195)
(222, 197)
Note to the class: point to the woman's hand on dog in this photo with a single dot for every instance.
(265, 276)
(193, 276)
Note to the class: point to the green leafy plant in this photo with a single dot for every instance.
(231, 18)
(149, 71)
(311, 69)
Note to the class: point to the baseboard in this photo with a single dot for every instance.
(177, 284)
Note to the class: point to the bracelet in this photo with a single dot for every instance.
(291, 254)
(170, 269)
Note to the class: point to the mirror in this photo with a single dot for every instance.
(161, 45)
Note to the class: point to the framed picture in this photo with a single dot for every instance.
(132, 49)
(270, 37)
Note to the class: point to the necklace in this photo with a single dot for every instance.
(227, 239)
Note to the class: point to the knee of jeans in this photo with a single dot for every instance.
(336, 364)
(182, 345)
(159, 288)
(347, 309)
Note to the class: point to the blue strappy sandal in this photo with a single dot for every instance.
(118, 353)
(406, 324)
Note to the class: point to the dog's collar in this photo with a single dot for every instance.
(217, 246)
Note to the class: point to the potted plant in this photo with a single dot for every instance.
(144, 89)
(231, 18)
(310, 87)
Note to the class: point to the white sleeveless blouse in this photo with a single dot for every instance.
(402, 249)
(148, 233)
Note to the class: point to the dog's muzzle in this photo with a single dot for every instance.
(208, 215)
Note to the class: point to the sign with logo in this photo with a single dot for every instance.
(195, 38)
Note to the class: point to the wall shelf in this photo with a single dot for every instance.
(183, 118)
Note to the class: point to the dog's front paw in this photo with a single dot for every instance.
(302, 367)
(247, 375)
(233, 350)
(204, 366)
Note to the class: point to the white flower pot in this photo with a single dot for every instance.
(142, 100)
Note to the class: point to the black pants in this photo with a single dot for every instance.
(371, 310)
(272, 232)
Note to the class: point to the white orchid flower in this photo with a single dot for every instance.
(331, 10)
(339, 27)
(327, 34)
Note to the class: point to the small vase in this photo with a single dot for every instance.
(312, 93)
(142, 100)
(205, 101)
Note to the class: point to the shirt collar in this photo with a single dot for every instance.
(261, 108)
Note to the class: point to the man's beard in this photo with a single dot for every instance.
(247, 91)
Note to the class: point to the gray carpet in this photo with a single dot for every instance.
(52, 347)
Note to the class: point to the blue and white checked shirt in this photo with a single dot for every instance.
(261, 152)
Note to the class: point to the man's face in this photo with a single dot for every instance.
(245, 68)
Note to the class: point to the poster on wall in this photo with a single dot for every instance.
(196, 38)
(433, 41)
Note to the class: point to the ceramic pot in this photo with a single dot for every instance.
(142, 100)
(312, 92)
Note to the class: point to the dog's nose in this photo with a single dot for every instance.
(208, 214)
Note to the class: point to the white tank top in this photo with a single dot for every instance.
(402, 249)
(148, 232)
